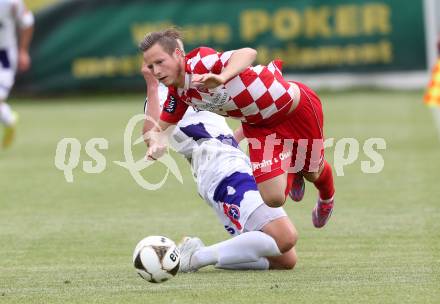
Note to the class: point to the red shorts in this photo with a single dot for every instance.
(293, 144)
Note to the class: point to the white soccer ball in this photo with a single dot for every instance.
(156, 259)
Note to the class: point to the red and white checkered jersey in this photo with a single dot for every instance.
(257, 95)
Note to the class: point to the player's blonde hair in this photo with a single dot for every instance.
(167, 39)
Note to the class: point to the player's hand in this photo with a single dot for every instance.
(148, 75)
(207, 81)
(155, 151)
(24, 61)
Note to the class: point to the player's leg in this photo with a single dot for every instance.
(244, 250)
(270, 161)
(285, 235)
(240, 252)
(276, 225)
(323, 181)
(272, 247)
(305, 127)
(308, 123)
(273, 190)
(240, 208)
(235, 200)
(7, 117)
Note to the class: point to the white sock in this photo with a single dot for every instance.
(6, 116)
(260, 264)
(244, 248)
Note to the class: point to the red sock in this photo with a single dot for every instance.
(324, 183)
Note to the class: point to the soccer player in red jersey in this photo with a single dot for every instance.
(282, 121)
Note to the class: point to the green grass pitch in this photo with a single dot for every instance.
(72, 242)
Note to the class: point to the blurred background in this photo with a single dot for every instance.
(92, 45)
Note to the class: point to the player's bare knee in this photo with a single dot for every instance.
(274, 200)
(273, 191)
(283, 232)
(287, 242)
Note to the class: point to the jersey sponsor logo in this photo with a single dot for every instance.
(212, 101)
(171, 105)
(203, 90)
(233, 213)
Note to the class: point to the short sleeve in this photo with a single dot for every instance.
(174, 108)
(163, 96)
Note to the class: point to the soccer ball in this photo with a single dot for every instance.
(156, 259)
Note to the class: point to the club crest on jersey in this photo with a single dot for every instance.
(233, 213)
(171, 105)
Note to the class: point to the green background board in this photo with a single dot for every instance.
(89, 45)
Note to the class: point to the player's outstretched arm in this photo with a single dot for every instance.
(240, 60)
(157, 140)
(153, 129)
(24, 59)
(152, 107)
(25, 25)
